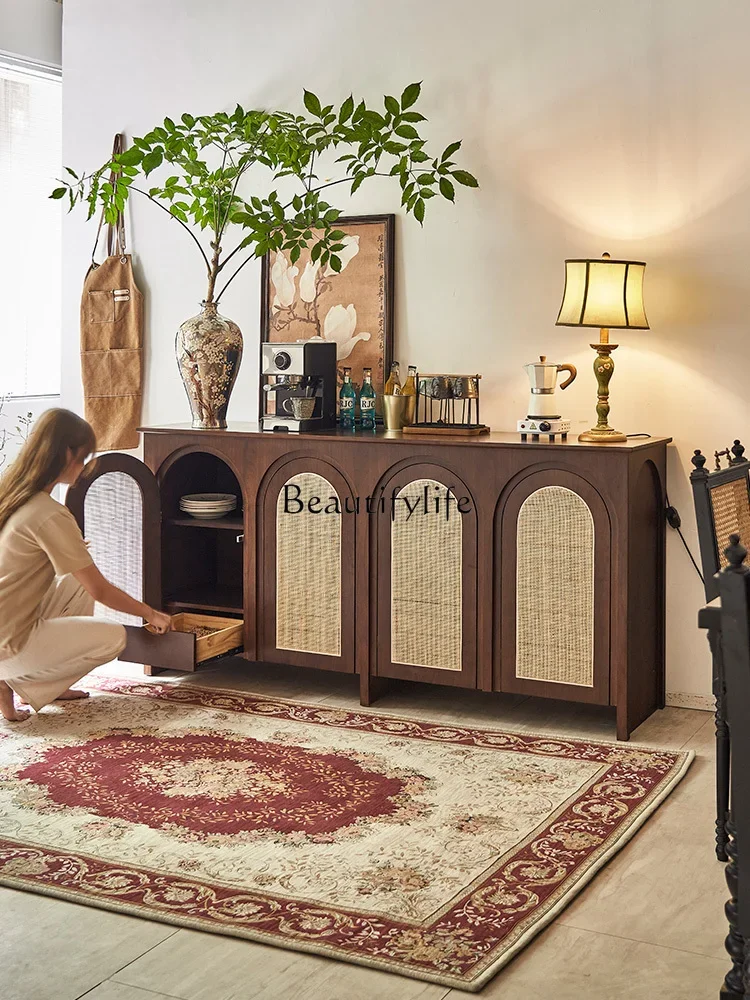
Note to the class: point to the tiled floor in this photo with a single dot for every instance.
(650, 925)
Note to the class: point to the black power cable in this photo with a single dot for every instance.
(675, 521)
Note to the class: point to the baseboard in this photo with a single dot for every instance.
(681, 699)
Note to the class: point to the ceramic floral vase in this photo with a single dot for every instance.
(209, 351)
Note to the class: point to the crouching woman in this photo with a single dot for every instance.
(48, 580)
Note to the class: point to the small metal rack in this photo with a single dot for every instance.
(447, 404)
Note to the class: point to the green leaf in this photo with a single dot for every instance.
(337, 234)
(419, 210)
(335, 263)
(294, 254)
(418, 156)
(411, 95)
(151, 161)
(450, 150)
(170, 124)
(356, 182)
(425, 179)
(465, 178)
(316, 251)
(188, 120)
(396, 148)
(407, 132)
(331, 215)
(392, 106)
(446, 189)
(58, 193)
(131, 157)
(413, 116)
(72, 172)
(346, 109)
(312, 104)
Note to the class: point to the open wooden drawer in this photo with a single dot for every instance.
(183, 649)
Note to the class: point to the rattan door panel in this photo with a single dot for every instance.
(118, 509)
(426, 579)
(553, 563)
(117, 506)
(306, 564)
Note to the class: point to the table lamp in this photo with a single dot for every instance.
(608, 294)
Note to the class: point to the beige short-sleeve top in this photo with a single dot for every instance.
(39, 541)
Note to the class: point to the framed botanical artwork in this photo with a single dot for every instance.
(353, 308)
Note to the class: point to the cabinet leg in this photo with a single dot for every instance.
(623, 723)
(371, 688)
(152, 671)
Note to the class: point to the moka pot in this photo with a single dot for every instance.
(543, 378)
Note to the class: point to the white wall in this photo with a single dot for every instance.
(591, 126)
(32, 29)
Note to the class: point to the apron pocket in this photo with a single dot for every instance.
(101, 307)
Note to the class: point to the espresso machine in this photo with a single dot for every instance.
(544, 415)
(298, 386)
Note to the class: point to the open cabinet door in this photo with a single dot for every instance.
(117, 506)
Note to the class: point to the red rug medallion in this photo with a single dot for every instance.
(413, 847)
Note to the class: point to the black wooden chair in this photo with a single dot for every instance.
(734, 590)
(722, 508)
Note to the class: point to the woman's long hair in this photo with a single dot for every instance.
(43, 458)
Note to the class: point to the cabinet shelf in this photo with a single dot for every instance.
(227, 523)
(208, 598)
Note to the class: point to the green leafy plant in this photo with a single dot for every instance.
(202, 161)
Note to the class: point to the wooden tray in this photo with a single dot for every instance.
(456, 431)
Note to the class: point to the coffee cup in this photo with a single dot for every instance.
(301, 407)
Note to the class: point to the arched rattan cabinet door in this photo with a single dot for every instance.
(554, 544)
(426, 588)
(306, 546)
(116, 504)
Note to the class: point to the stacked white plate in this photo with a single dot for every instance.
(208, 505)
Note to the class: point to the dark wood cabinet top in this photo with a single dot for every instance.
(495, 439)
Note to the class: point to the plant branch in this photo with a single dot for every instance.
(230, 280)
(193, 237)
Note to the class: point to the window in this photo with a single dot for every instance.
(30, 229)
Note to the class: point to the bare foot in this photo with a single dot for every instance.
(8, 707)
(72, 694)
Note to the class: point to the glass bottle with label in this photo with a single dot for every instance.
(393, 385)
(367, 401)
(409, 387)
(347, 401)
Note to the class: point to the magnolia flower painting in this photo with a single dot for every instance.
(351, 308)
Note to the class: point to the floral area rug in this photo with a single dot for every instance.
(409, 846)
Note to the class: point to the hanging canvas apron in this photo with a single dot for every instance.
(112, 341)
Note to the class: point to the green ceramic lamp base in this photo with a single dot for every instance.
(602, 435)
(604, 368)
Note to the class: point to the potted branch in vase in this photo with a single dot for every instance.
(202, 162)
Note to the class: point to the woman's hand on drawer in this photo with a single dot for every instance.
(159, 621)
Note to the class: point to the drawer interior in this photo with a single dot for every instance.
(195, 638)
(214, 635)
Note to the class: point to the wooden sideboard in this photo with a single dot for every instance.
(545, 576)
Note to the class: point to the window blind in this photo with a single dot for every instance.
(30, 230)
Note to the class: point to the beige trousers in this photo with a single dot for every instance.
(65, 644)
